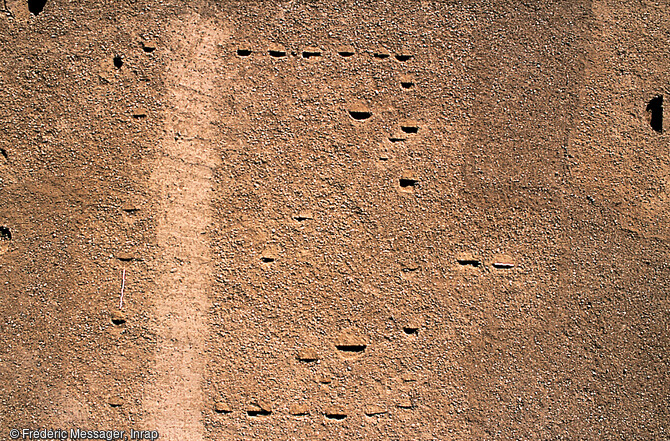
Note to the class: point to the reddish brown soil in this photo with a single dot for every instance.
(337, 220)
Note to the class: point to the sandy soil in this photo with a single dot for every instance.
(336, 220)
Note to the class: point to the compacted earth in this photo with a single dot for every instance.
(374, 220)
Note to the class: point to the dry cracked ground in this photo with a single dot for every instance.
(400, 220)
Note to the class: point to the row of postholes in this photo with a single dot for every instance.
(347, 343)
(312, 52)
(359, 111)
(279, 51)
(350, 344)
(334, 412)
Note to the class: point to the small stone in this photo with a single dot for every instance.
(307, 355)
(264, 405)
(298, 410)
(398, 137)
(220, 407)
(405, 403)
(244, 49)
(270, 254)
(259, 408)
(409, 175)
(374, 410)
(408, 123)
(325, 379)
(253, 408)
(406, 80)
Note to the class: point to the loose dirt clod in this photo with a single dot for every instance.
(381, 53)
(277, 51)
(384, 156)
(304, 216)
(503, 261)
(409, 126)
(140, 112)
(115, 401)
(270, 254)
(130, 207)
(308, 355)
(259, 408)
(298, 410)
(397, 138)
(469, 260)
(406, 82)
(346, 51)
(349, 342)
(311, 52)
(221, 407)
(244, 50)
(124, 256)
(335, 412)
(410, 266)
(374, 410)
(403, 56)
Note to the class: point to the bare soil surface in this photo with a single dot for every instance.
(336, 220)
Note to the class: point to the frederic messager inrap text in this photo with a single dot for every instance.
(80, 434)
